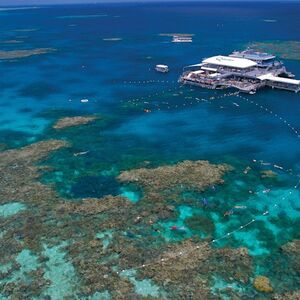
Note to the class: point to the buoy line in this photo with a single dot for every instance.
(264, 108)
(167, 105)
(147, 81)
(138, 99)
(254, 219)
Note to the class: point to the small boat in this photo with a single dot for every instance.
(181, 39)
(84, 100)
(278, 167)
(81, 153)
(162, 68)
(240, 207)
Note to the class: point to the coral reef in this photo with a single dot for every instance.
(11, 42)
(188, 175)
(12, 54)
(200, 223)
(285, 49)
(231, 264)
(181, 278)
(73, 121)
(287, 296)
(292, 247)
(20, 174)
(90, 206)
(39, 90)
(183, 270)
(268, 174)
(262, 284)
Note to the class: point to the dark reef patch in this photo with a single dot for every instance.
(200, 223)
(13, 138)
(25, 110)
(39, 90)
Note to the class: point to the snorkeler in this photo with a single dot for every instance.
(178, 228)
(205, 202)
(228, 213)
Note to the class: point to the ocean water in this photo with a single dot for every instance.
(106, 54)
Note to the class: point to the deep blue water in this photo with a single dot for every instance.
(86, 66)
(37, 90)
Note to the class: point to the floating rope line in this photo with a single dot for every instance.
(281, 119)
(167, 105)
(147, 81)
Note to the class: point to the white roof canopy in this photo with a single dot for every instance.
(232, 62)
(269, 76)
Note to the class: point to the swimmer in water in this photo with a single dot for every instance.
(178, 228)
(205, 202)
(228, 213)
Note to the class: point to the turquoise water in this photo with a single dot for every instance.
(107, 54)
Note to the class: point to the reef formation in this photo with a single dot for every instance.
(262, 284)
(189, 175)
(13, 54)
(73, 121)
(284, 49)
(48, 219)
(111, 245)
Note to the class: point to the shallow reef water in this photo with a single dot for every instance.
(118, 183)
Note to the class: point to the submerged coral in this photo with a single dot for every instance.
(39, 90)
(12, 54)
(262, 284)
(90, 206)
(177, 270)
(287, 296)
(73, 121)
(19, 182)
(188, 175)
(285, 49)
(231, 264)
(292, 247)
(104, 237)
(200, 224)
(268, 174)
(11, 42)
(48, 218)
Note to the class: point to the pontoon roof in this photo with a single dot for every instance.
(195, 65)
(232, 62)
(253, 55)
(269, 76)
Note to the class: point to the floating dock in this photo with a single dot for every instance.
(246, 71)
